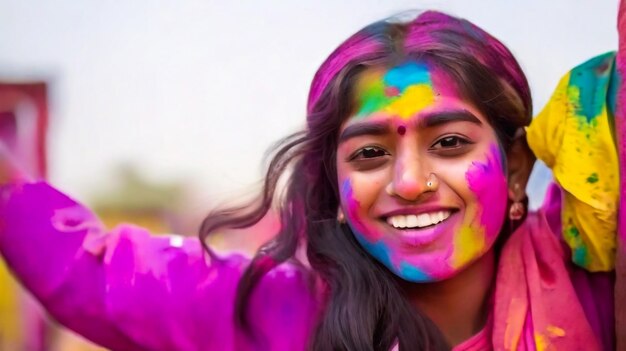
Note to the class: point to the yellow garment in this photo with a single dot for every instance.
(573, 135)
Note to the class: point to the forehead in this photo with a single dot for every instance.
(403, 90)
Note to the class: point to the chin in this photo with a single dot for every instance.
(434, 273)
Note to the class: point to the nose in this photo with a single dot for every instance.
(411, 177)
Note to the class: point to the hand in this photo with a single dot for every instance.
(10, 171)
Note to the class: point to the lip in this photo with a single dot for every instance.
(422, 236)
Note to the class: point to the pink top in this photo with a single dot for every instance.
(128, 290)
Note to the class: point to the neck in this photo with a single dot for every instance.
(458, 306)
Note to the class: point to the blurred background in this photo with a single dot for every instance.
(156, 111)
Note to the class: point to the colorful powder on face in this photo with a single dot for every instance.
(469, 242)
(414, 99)
(402, 91)
(406, 75)
(374, 246)
(348, 196)
(489, 184)
(392, 91)
(352, 211)
(381, 252)
(378, 249)
(411, 273)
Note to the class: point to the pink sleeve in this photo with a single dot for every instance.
(126, 289)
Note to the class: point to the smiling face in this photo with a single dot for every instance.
(421, 174)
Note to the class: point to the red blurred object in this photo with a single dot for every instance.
(23, 124)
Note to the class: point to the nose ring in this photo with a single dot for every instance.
(432, 184)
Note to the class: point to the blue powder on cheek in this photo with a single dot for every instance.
(377, 249)
(380, 252)
(406, 75)
(411, 273)
(502, 158)
(346, 189)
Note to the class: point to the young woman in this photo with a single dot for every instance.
(403, 219)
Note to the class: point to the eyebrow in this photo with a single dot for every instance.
(427, 121)
(443, 117)
(365, 128)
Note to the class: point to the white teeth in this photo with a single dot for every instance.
(401, 221)
(444, 215)
(434, 217)
(418, 221)
(412, 221)
(423, 220)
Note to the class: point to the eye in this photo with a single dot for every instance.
(368, 153)
(451, 146)
(369, 158)
(450, 142)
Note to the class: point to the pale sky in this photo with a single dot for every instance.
(198, 90)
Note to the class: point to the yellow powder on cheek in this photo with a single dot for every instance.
(469, 242)
(414, 98)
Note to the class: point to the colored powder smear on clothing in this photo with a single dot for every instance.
(555, 331)
(402, 91)
(582, 85)
(580, 254)
(573, 135)
(542, 341)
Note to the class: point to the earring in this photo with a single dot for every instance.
(517, 210)
(341, 218)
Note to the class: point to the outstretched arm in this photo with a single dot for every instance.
(123, 289)
(126, 289)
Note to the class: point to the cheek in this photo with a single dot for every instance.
(487, 181)
(357, 199)
(486, 204)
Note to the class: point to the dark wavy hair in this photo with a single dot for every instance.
(364, 307)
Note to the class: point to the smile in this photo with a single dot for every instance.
(417, 221)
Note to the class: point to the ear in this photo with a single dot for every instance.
(520, 161)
